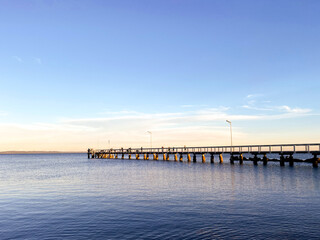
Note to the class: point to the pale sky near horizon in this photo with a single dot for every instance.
(75, 74)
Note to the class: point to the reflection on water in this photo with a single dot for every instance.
(68, 196)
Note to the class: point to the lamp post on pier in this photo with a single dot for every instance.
(150, 138)
(230, 131)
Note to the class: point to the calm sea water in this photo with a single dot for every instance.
(67, 196)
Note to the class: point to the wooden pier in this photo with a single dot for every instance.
(285, 153)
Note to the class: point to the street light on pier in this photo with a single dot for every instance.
(230, 131)
(150, 138)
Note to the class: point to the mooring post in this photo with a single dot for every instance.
(315, 160)
(241, 159)
(212, 158)
(231, 159)
(282, 160)
(265, 159)
(221, 158)
(194, 157)
(255, 160)
(291, 162)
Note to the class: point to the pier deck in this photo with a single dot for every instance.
(285, 153)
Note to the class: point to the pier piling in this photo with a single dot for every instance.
(255, 160)
(221, 158)
(282, 160)
(291, 160)
(203, 158)
(189, 157)
(194, 158)
(211, 158)
(231, 159)
(265, 159)
(241, 159)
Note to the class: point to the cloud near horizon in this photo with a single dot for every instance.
(129, 129)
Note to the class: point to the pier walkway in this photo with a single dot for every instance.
(257, 153)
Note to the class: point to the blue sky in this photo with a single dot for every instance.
(75, 74)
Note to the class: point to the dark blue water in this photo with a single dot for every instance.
(67, 196)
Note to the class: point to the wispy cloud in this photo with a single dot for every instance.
(37, 60)
(194, 106)
(255, 95)
(188, 118)
(204, 126)
(294, 110)
(256, 108)
(18, 59)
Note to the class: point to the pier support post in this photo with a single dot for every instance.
(157, 156)
(175, 157)
(221, 158)
(203, 158)
(122, 156)
(231, 159)
(181, 157)
(88, 153)
(147, 156)
(255, 160)
(144, 156)
(137, 156)
(129, 156)
(168, 157)
(116, 156)
(194, 157)
(241, 159)
(291, 162)
(211, 158)
(164, 157)
(282, 160)
(265, 159)
(315, 161)
(189, 157)
(92, 154)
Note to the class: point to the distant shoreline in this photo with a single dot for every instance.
(35, 152)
